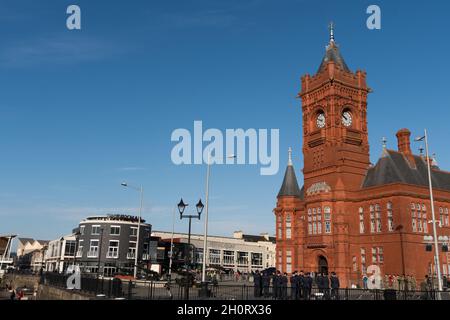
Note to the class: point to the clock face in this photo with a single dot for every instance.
(320, 120)
(347, 118)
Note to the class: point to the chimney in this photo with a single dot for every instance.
(404, 145)
(238, 234)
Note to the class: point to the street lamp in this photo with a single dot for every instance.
(430, 185)
(141, 191)
(205, 236)
(181, 208)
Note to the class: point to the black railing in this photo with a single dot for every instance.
(157, 290)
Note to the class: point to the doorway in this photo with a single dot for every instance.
(323, 265)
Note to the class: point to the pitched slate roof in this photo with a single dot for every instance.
(290, 185)
(333, 54)
(393, 167)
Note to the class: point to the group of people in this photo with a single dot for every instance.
(300, 284)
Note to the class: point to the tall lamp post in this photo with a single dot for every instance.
(141, 191)
(205, 236)
(181, 207)
(433, 216)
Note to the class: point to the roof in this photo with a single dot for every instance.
(254, 238)
(23, 240)
(333, 54)
(290, 185)
(393, 167)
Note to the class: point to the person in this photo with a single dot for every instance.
(275, 284)
(294, 286)
(424, 289)
(257, 284)
(320, 284)
(308, 286)
(283, 286)
(365, 279)
(444, 283)
(326, 286)
(301, 285)
(265, 284)
(334, 286)
(13, 295)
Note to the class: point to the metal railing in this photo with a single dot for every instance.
(113, 288)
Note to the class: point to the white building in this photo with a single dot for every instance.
(244, 253)
(60, 253)
(28, 245)
(5, 252)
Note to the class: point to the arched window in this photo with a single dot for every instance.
(327, 218)
(372, 219)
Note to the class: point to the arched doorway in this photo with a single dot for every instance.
(322, 265)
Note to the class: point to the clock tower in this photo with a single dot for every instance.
(335, 137)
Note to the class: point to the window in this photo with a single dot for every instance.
(446, 222)
(390, 217)
(82, 230)
(372, 220)
(327, 217)
(280, 227)
(257, 259)
(214, 256)
(113, 249)
(115, 230)
(361, 220)
(315, 215)
(380, 255)
(131, 254)
(133, 231)
(288, 226)
(374, 255)
(288, 261)
(378, 217)
(242, 258)
(228, 257)
(95, 231)
(355, 265)
(93, 249)
(413, 217)
(70, 248)
(80, 249)
(199, 255)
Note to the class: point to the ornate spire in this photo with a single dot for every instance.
(290, 156)
(331, 27)
(290, 184)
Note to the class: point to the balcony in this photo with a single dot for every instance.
(145, 257)
(92, 254)
(112, 254)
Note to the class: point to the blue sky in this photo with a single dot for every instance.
(82, 111)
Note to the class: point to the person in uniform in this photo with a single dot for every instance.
(308, 286)
(326, 286)
(275, 284)
(265, 284)
(301, 285)
(283, 286)
(334, 286)
(257, 283)
(294, 286)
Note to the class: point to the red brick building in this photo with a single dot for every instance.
(350, 214)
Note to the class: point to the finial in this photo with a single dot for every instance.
(290, 157)
(421, 150)
(384, 140)
(331, 27)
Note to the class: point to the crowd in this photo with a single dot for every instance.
(300, 284)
